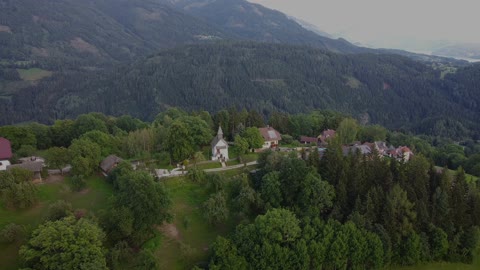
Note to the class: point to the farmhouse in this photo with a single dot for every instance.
(308, 140)
(35, 167)
(109, 163)
(219, 147)
(326, 135)
(271, 137)
(5, 153)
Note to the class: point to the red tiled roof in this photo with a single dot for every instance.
(5, 149)
(270, 134)
(308, 139)
(327, 134)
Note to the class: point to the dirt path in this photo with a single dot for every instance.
(170, 230)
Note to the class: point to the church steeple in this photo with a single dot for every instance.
(220, 133)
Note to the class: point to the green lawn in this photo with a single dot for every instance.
(195, 234)
(92, 199)
(208, 165)
(250, 157)
(233, 162)
(33, 74)
(470, 178)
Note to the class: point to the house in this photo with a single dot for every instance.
(219, 147)
(35, 167)
(5, 153)
(364, 149)
(404, 153)
(31, 159)
(326, 135)
(270, 136)
(381, 147)
(109, 163)
(308, 140)
(4, 164)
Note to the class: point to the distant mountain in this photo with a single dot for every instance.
(465, 51)
(387, 89)
(255, 22)
(312, 27)
(92, 32)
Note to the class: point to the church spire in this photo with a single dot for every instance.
(220, 133)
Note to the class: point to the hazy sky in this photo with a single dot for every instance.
(388, 22)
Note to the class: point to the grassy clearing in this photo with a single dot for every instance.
(353, 82)
(208, 165)
(93, 199)
(233, 162)
(470, 178)
(33, 74)
(250, 157)
(195, 235)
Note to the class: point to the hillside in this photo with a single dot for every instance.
(59, 33)
(254, 22)
(386, 89)
(69, 33)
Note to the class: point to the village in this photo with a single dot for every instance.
(220, 152)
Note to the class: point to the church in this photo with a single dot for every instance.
(219, 147)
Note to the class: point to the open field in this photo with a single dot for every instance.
(470, 178)
(33, 74)
(207, 165)
(187, 240)
(92, 199)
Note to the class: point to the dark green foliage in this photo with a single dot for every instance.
(279, 240)
(225, 256)
(59, 210)
(26, 151)
(416, 99)
(18, 136)
(17, 189)
(117, 223)
(57, 157)
(80, 243)
(11, 233)
(146, 260)
(215, 208)
(179, 142)
(77, 183)
(140, 194)
(85, 157)
(253, 137)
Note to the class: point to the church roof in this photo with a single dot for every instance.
(216, 140)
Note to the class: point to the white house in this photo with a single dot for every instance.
(219, 147)
(4, 164)
(270, 136)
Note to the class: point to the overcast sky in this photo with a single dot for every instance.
(388, 23)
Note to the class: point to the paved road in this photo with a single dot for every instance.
(230, 167)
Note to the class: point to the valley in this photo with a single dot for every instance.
(222, 134)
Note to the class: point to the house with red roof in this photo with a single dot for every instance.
(271, 137)
(326, 136)
(308, 140)
(5, 153)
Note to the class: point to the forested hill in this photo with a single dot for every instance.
(386, 89)
(92, 32)
(251, 21)
(60, 33)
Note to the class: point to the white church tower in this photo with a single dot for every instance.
(219, 147)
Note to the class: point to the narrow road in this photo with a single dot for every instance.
(230, 167)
